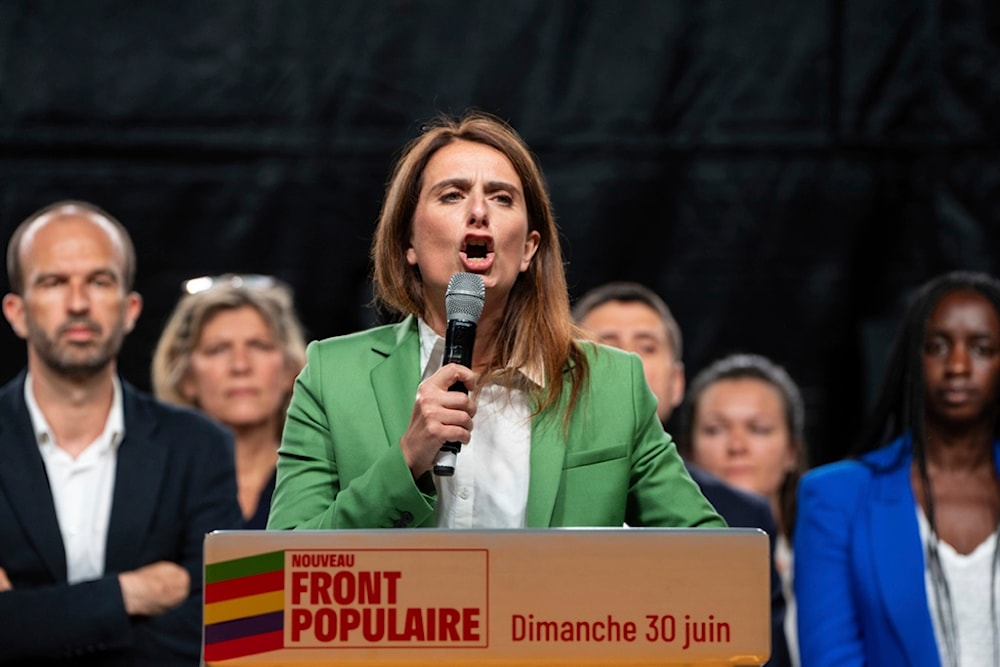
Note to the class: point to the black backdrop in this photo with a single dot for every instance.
(782, 172)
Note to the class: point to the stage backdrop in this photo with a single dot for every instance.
(782, 172)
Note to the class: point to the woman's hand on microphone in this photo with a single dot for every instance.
(439, 416)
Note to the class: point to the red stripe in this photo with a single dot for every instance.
(245, 586)
(237, 648)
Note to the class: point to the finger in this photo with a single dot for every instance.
(456, 401)
(449, 374)
(5, 584)
(448, 425)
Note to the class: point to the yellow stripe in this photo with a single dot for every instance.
(253, 605)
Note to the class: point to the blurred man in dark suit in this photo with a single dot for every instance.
(632, 317)
(105, 494)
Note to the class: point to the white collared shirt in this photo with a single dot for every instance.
(490, 486)
(81, 487)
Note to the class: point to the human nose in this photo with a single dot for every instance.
(478, 215)
(239, 361)
(958, 359)
(78, 298)
(736, 444)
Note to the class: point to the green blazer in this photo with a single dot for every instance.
(340, 464)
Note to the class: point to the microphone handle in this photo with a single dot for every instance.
(458, 343)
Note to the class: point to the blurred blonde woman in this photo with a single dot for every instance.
(232, 348)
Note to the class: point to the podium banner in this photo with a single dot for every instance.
(609, 596)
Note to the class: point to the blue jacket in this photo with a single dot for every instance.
(859, 564)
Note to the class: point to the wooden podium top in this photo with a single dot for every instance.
(605, 596)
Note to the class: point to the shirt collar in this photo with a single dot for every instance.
(432, 353)
(114, 427)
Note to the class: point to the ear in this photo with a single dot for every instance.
(793, 456)
(290, 375)
(677, 383)
(133, 306)
(411, 256)
(530, 248)
(13, 310)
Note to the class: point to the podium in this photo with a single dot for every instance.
(570, 596)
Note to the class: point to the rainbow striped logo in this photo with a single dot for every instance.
(244, 606)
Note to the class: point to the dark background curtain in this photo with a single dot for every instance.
(782, 172)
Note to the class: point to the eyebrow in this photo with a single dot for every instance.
(465, 184)
(641, 335)
(106, 272)
(974, 335)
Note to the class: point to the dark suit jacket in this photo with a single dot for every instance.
(175, 481)
(746, 510)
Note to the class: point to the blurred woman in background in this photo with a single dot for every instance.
(744, 420)
(232, 348)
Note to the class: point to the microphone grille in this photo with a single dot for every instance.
(465, 297)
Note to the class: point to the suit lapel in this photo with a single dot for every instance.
(142, 460)
(395, 380)
(25, 483)
(899, 562)
(396, 375)
(548, 452)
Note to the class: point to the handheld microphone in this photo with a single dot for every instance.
(463, 302)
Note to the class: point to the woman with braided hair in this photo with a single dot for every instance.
(896, 550)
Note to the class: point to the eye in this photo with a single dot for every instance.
(504, 199)
(648, 349)
(761, 429)
(983, 349)
(263, 345)
(450, 196)
(936, 347)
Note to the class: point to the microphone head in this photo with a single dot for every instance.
(465, 297)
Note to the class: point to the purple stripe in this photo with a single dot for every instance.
(244, 627)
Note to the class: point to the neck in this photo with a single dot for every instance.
(775, 503)
(75, 408)
(255, 441)
(486, 328)
(955, 450)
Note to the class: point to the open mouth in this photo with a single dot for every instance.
(476, 250)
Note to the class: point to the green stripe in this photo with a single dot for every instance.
(244, 567)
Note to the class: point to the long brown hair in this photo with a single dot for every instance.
(536, 327)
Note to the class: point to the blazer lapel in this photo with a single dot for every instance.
(142, 459)
(899, 562)
(25, 483)
(548, 452)
(395, 377)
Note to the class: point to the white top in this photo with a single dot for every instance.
(968, 579)
(81, 487)
(490, 486)
(784, 562)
